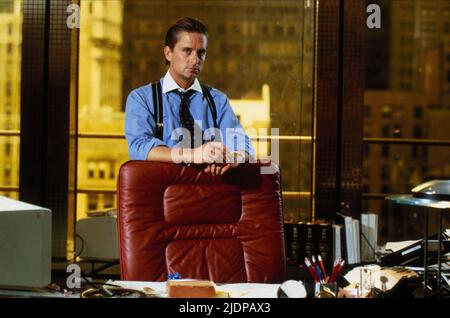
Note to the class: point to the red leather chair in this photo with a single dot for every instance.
(174, 218)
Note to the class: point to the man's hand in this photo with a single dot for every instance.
(211, 152)
(233, 161)
(217, 169)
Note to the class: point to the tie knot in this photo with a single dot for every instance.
(186, 94)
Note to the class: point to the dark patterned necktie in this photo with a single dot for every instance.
(187, 121)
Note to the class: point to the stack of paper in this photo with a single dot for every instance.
(369, 236)
(352, 240)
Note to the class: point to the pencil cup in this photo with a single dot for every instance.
(323, 290)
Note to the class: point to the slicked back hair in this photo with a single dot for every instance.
(187, 24)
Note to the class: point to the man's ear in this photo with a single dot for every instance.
(168, 53)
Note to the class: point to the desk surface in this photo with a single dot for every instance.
(242, 290)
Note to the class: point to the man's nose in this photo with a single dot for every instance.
(195, 58)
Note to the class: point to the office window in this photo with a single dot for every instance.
(92, 202)
(108, 200)
(10, 75)
(113, 63)
(410, 51)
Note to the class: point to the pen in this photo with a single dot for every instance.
(319, 274)
(333, 271)
(339, 266)
(311, 270)
(322, 268)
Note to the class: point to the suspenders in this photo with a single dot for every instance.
(158, 106)
(212, 106)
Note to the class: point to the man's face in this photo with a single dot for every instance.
(187, 57)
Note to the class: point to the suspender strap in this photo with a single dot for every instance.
(212, 106)
(158, 107)
(158, 111)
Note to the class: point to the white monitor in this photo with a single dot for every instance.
(25, 245)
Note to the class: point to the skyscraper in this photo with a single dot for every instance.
(10, 61)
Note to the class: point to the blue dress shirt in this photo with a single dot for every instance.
(140, 123)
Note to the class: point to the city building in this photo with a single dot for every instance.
(10, 57)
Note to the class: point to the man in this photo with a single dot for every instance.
(194, 131)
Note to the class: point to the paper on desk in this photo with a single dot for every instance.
(375, 276)
(242, 290)
(250, 290)
(395, 246)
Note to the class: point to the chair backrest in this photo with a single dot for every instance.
(174, 218)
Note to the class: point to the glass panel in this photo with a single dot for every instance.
(401, 223)
(260, 53)
(407, 90)
(296, 209)
(99, 161)
(407, 96)
(404, 167)
(10, 61)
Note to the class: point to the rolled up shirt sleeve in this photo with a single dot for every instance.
(139, 127)
(235, 138)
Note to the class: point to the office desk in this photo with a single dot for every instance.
(241, 290)
(35, 293)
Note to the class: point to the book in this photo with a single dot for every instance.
(307, 239)
(373, 232)
(356, 241)
(369, 236)
(292, 243)
(349, 240)
(337, 248)
(323, 239)
(309, 242)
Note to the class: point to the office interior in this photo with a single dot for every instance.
(359, 92)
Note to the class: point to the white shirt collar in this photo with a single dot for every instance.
(169, 84)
